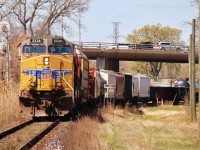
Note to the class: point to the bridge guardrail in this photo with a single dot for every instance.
(106, 45)
(122, 46)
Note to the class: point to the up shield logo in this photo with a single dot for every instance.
(46, 73)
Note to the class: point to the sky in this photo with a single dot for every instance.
(133, 14)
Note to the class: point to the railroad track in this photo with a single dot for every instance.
(14, 129)
(8, 135)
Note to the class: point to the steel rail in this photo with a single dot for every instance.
(39, 136)
(14, 129)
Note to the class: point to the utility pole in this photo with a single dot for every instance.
(192, 73)
(79, 24)
(62, 26)
(115, 31)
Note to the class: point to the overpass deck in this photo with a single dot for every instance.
(138, 55)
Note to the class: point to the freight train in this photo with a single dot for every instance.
(54, 76)
(122, 87)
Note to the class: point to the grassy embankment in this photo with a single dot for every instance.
(159, 128)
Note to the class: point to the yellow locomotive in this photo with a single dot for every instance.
(53, 76)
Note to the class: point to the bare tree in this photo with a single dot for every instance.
(3, 13)
(32, 15)
(155, 68)
(55, 11)
(195, 2)
(37, 5)
(6, 7)
(25, 12)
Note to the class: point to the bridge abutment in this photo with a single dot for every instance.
(107, 64)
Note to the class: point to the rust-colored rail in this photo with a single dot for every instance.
(14, 129)
(39, 136)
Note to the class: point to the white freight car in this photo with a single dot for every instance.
(103, 77)
(141, 86)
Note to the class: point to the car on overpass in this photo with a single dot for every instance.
(142, 45)
(166, 46)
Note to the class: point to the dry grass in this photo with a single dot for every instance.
(164, 127)
(9, 105)
(84, 135)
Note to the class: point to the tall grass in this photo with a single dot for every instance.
(165, 127)
(84, 135)
(9, 104)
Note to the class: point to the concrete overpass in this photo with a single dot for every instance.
(108, 58)
(137, 55)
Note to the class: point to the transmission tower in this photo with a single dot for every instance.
(115, 31)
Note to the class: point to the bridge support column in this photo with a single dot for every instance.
(107, 64)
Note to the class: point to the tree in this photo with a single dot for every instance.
(2, 11)
(195, 2)
(6, 7)
(56, 12)
(25, 12)
(40, 15)
(154, 33)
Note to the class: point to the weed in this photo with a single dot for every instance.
(9, 105)
(164, 127)
(84, 135)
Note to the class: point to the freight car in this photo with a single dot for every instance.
(128, 87)
(141, 84)
(53, 76)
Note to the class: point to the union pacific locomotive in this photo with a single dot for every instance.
(53, 76)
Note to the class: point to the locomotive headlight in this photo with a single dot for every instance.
(46, 60)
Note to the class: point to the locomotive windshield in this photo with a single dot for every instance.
(37, 49)
(59, 49)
